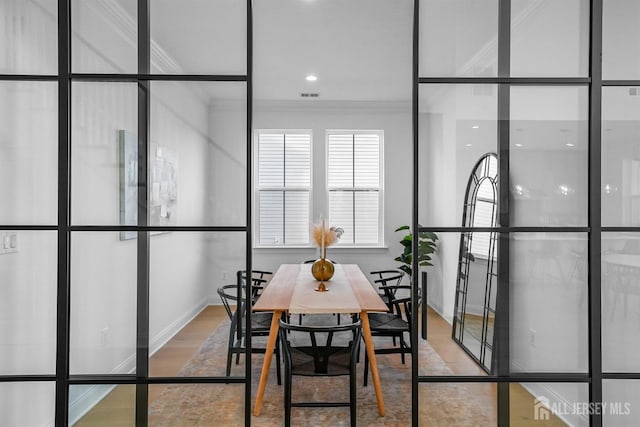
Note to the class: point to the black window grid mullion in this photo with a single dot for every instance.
(248, 218)
(143, 244)
(63, 306)
(594, 280)
(415, 114)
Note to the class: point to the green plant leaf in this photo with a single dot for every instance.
(404, 227)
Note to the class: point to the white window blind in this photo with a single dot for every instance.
(354, 183)
(284, 185)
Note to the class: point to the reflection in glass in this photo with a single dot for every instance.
(28, 304)
(28, 152)
(113, 405)
(29, 42)
(620, 35)
(623, 400)
(548, 302)
(620, 164)
(549, 404)
(197, 154)
(459, 38)
(27, 403)
(103, 276)
(620, 301)
(100, 111)
(104, 36)
(186, 268)
(457, 125)
(548, 156)
(550, 38)
(475, 304)
(198, 37)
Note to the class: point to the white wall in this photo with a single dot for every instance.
(395, 121)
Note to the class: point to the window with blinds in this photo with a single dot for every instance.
(284, 187)
(354, 180)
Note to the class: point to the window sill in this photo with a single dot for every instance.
(330, 248)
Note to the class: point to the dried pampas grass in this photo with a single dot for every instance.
(324, 236)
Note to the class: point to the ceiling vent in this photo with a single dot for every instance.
(309, 94)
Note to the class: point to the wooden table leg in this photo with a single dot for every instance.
(264, 375)
(366, 333)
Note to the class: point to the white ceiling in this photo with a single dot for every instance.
(359, 49)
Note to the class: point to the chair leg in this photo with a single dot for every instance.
(352, 395)
(278, 372)
(366, 368)
(287, 398)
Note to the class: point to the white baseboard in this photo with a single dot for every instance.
(163, 337)
(94, 394)
(538, 390)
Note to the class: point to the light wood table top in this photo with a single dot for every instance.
(292, 289)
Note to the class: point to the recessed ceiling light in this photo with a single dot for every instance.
(468, 145)
(475, 127)
(568, 144)
(518, 145)
(311, 78)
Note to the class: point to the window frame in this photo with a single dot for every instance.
(381, 179)
(256, 187)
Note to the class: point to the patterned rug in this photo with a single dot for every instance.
(223, 405)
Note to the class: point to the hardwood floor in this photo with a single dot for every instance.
(117, 408)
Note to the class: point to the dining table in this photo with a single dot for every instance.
(293, 290)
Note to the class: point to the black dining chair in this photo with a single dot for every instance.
(260, 326)
(383, 278)
(259, 279)
(394, 324)
(322, 357)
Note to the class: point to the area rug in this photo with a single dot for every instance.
(223, 404)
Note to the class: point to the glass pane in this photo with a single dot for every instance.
(620, 167)
(296, 224)
(457, 404)
(103, 276)
(548, 297)
(550, 38)
(27, 404)
(459, 38)
(355, 56)
(29, 44)
(28, 152)
(198, 37)
(104, 36)
(623, 400)
(620, 35)
(550, 404)
(28, 273)
(457, 126)
(189, 329)
(460, 309)
(197, 168)
(103, 135)
(199, 405)
(102, 404)
(549, 132)
(620, 301)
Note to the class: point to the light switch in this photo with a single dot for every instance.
(13, 240)
(6, 241)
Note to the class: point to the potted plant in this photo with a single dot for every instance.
(426, 246)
